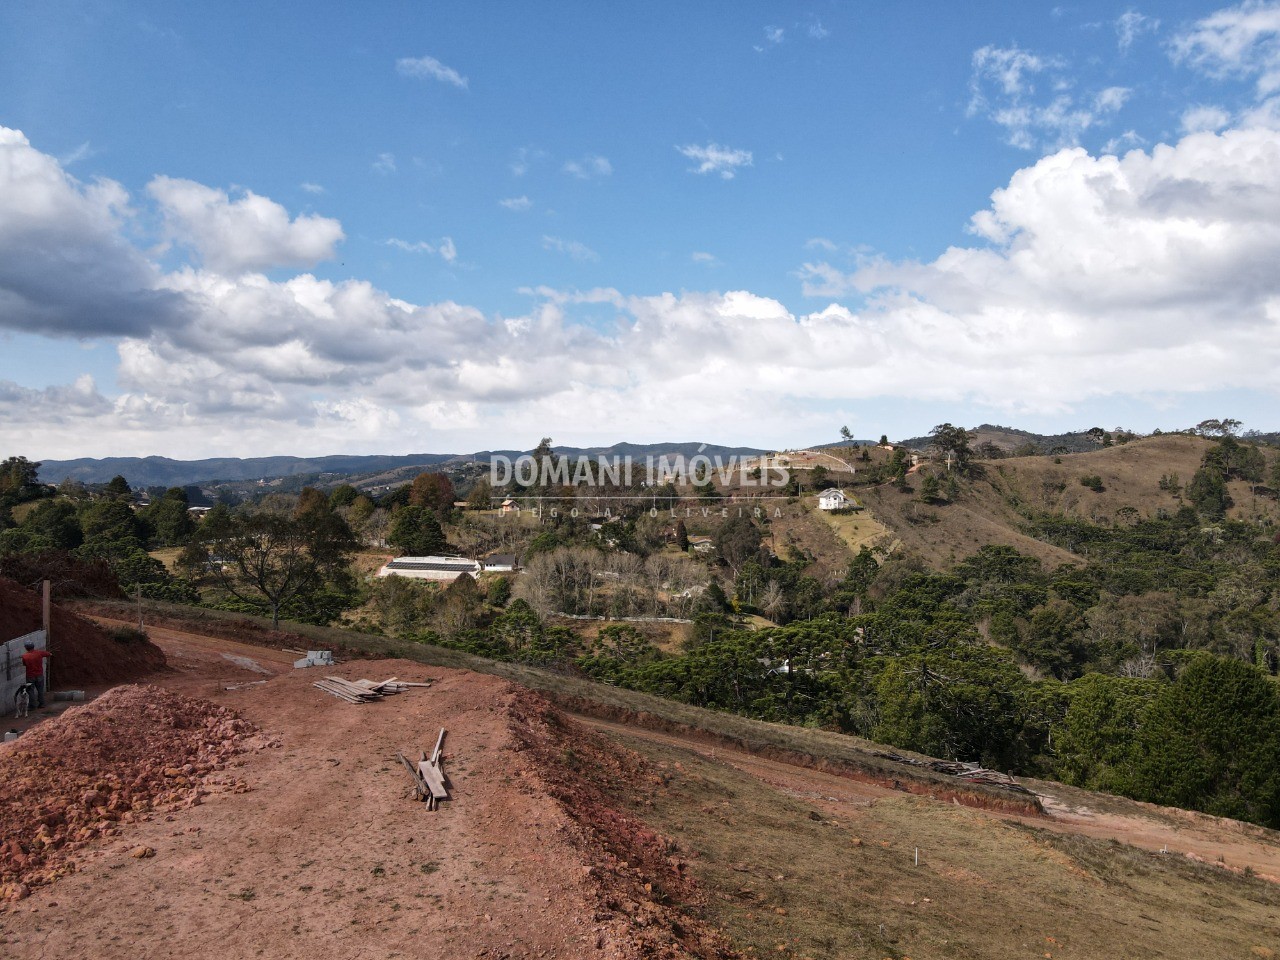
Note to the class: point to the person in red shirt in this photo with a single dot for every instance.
(34, 660)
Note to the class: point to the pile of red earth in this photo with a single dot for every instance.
(134, 751)
(84, 654)
(641, 885)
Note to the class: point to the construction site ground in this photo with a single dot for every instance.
(603, 839)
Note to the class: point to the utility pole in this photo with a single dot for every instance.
(47, 617)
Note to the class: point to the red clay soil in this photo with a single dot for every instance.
(84, 654)
(83, 775)
(330, 856)
(637, 875)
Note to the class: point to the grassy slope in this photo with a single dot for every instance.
(846, 885)
(987, 511)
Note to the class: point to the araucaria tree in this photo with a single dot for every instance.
(417, 532)
(273, 560)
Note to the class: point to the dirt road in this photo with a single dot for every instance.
(1179, 832)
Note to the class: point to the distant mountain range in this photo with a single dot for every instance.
(166, 472)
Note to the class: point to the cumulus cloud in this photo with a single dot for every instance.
(713, 158)
(248, 233)
(65, 266)
(430, 68)
(518, 204)
(592, 165)
(1148, 271)
(385, 164)
(1087, 276)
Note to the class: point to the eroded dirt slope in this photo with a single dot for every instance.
(326, 856)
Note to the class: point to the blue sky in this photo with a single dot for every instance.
(607, 223)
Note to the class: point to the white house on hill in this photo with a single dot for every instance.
(833, 499)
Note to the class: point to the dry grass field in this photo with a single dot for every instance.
(991, 507)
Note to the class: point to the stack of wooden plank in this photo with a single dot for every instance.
(429, 780)
(363, 691)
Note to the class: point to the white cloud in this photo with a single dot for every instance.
(774, 35)
(816, 30)
(1242, 41)
(1125, 141)
(518, 204)
(1003, 88)
(707, 259)
(431, 68)
(713, 158)
(1111, 99)
(1200, 118)
(249, 233)
(1103, 275)
(524, 159)
(385, 164)
(1130, 25)
(65, 265)
(1011, 68)
(445, 248)
(313, 188)
(592, 165)
(572, 248)
(1089, 276)
(82, 152)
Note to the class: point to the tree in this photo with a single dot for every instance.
(930, 489)
(846, 433)
(343, 496)
(737, 541)
(481, 495)
(818, 477)
(417, 533)
(953, 441)
(682, 536)
(271, 560)
(1096, 741)
(110, 521)
(362, 508)
(118, 488)
(433, 491)
(1210, 742)
(1207, 492)
(311, 500)
(55, 522)
(19, 480)
(169, 519)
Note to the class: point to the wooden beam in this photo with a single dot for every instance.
(434, 780)
(435, 754)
